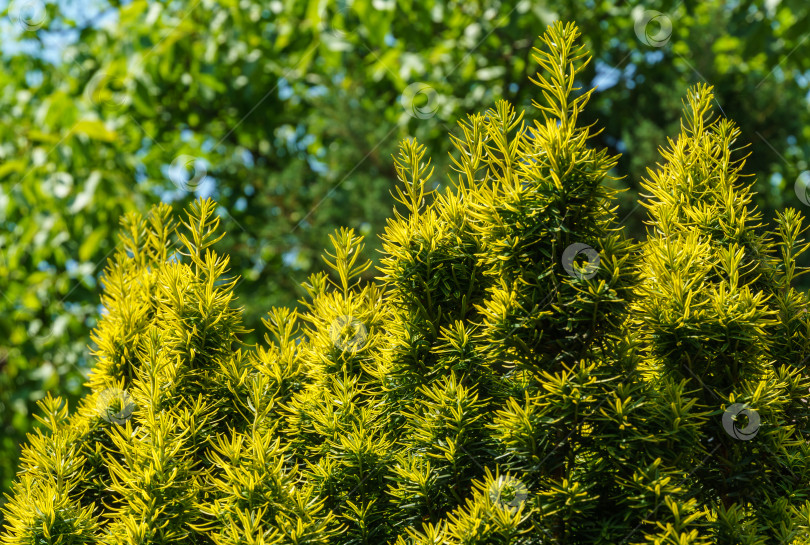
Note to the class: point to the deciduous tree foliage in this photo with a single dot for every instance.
(486, 387)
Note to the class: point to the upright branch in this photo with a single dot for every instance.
(561, 60)
(414, 173)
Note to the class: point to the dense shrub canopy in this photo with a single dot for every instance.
(489, 386)
(286, 113)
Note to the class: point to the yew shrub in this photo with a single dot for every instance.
(520, 372)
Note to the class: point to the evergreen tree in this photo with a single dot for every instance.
(519, 372)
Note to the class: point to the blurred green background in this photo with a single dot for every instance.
(287, 112)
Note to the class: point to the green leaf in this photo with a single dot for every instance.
(91, 244)
(94, 130)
